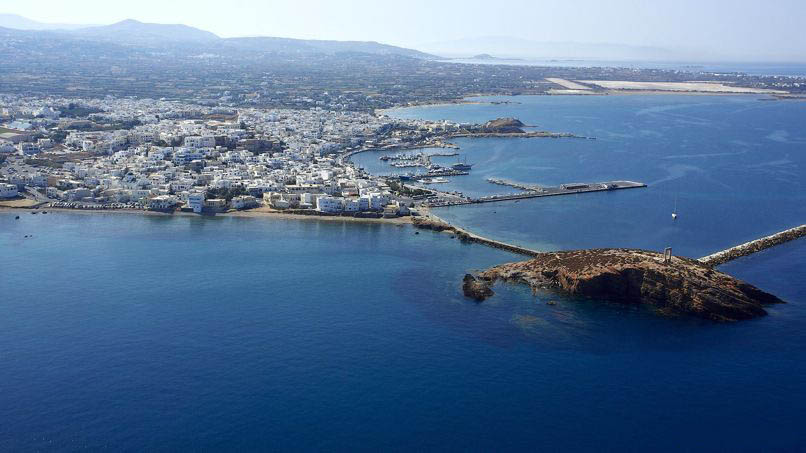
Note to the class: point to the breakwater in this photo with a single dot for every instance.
(432, 222)
(748, 248)
(538, 192)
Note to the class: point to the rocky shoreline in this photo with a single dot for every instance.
(679, 286)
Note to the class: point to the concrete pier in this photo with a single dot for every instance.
(565, 189)
(748, 248)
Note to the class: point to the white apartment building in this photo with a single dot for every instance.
(243, 202)
(8, 190)
(196, 201)
(162, 202)
(29, 148)
(207, 141)
(329, 204)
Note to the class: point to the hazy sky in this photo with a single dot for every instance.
(744, 29)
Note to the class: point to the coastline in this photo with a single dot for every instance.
(465, 100)
(253, 213)
(606, 92)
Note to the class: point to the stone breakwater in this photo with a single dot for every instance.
(748, 248)
(680, 286)
(436, 224)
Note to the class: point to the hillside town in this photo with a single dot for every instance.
(168, 155)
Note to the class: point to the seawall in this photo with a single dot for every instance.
(432, 222)
(748, 248)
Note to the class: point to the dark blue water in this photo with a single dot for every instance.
(155, 333)
(122, 331)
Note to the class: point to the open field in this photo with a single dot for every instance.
(701, 87)
(18, 203)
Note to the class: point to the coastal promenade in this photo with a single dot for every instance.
(748, 248)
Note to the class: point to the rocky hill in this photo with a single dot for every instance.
(504, 126)
(683, 286)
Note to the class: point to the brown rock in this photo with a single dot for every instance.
(637, 276)
(476, 289)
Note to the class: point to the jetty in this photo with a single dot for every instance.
(537, 192)
(748, 248)
(432, 222)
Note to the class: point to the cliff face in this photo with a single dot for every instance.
(636, 276)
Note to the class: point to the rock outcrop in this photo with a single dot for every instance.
(504, 126)
(476, 289)
(682, 286)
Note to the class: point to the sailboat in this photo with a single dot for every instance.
(462, 166)
(674, 213)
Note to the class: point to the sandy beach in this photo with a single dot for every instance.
(254, 213)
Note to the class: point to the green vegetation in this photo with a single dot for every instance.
(58, 136)
(117, 125)
(55, 161)
(227, 194)
(76, 111)
(43, 163)
(402, 190)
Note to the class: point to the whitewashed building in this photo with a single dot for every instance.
(329, 204)
(196, 202)
(8, 190)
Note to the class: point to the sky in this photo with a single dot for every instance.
(738, 30)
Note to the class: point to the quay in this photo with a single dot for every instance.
(564, 189)
(445, 172)
(515, 184)
(748, 248)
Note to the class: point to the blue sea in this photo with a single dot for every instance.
(130, 332)
(786, 69)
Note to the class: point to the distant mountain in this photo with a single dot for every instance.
(289, 45)
(190, 40)
(22, 23)
(132, 31)
(509, 47)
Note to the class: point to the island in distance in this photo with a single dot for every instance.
(679, 286)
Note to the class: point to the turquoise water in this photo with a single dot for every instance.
(133, 332)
